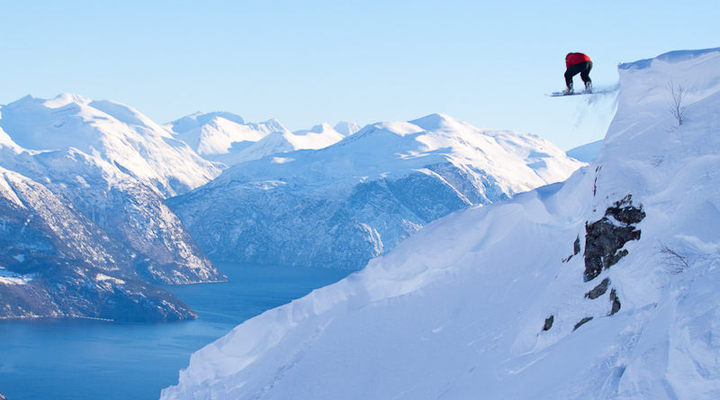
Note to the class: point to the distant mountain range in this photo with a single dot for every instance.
(227, 138)
(85, 185)
(359, 198)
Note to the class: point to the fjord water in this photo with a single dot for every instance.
(81, 359)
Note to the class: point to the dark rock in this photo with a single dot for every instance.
(615, 302)
(548, 323)
(624, 212)
(582, 321)
(576, 246)
(598, 290)
(604, 238)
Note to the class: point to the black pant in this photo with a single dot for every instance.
(583, 69)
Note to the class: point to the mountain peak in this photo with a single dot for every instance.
(435, 122)
(198, 119)
(64, 99)
(346, 128)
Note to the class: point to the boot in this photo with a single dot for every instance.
(569, 89)
(588, 87)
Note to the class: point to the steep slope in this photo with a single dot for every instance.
(111, 131)
(341, 205)
(603, 287)
(56, 263)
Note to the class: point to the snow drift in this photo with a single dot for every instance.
(344, 204)
(601, 287)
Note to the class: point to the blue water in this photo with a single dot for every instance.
(102, 360)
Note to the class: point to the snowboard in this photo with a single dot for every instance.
(583, 92)
(558, 94)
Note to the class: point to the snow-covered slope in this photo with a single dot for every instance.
(601, 287)
(54, 262)
(227, 138)
(587, 152)
(341, 205)
(111, 131)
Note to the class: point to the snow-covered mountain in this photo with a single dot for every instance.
(346, 128)
(218, 136)
(344, 204)
(111, 131)
(54, 262)
(94, 168)
(601, 287)
(227, 138)
(318, 137)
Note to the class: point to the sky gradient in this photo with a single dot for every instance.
(364, 61)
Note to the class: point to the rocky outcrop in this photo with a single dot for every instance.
(605, 238)
(582, 322)
(548, 323)
(615, 301)
(598, 290)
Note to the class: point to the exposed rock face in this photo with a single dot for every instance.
(598, 290)
(582, 322)
(615, 302)
(548, 323)
(605, 238)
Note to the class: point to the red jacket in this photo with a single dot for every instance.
(575, 58)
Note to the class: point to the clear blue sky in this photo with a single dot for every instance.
(303, 62)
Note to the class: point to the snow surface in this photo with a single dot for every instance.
(457, 311)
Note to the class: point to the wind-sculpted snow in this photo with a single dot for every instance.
(344, 204)
(494, 302)
(89, 167)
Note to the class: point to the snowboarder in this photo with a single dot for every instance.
(577, 63)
